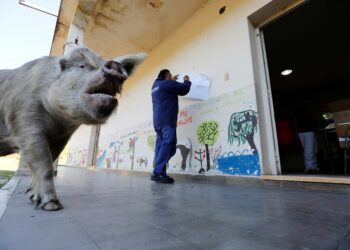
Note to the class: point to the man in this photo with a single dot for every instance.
(165, 92)
(306, 132)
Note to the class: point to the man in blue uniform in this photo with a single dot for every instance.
(165, 92)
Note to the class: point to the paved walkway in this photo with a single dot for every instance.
(106, 211)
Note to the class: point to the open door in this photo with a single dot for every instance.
(306, 56)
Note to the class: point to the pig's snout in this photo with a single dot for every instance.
(114, 69)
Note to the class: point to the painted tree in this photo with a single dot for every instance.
(151, 142)
(208, 133)
(120, 143)
(242, 128)
(200, 156)
(132, 143)
(214, 154)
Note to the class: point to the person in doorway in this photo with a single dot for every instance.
(306, 131)
(165, 92)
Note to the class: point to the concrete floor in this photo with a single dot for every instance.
(104, 210)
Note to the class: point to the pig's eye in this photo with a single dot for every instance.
(82, 66)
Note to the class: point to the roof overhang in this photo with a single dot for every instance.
(128, 26)
(64, 21)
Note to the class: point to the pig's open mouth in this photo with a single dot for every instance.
(101, 99)
(105, 90)
(115, 75)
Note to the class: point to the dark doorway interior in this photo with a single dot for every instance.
(314, 41)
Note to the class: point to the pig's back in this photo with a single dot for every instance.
(25, 85)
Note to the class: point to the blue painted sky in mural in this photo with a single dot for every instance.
(240, 165)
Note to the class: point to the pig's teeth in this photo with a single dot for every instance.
(102, 95)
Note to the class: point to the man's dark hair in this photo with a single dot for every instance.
(163, 73)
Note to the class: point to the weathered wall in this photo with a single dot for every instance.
(135, 25)
(210, 43)
(227, 124)
(64, 21)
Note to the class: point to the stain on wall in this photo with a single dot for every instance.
(157, 4)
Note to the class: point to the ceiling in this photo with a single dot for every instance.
(314, 41)
(137, 25)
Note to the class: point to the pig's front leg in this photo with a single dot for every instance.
(33, 187)
(33, 191)
(36, 154)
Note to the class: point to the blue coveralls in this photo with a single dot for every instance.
(165, 108)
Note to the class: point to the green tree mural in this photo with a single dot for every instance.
(208, 133)
(151, 142)
(242, 128)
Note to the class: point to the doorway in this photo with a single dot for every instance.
(308, 56)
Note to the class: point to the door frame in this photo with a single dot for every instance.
(270, 157)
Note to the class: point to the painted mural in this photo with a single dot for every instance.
(207, 133)
(217, 136)
(78, 156)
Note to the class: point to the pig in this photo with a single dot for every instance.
(44, 101)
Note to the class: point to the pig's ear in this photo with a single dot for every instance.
(63, 64)
(130, 62)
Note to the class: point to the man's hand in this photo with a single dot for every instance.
(175, 77)
(186, 78)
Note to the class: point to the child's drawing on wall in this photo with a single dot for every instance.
(207, 134)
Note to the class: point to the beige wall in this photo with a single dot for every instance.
(210, 43)
(135, 25)
(207, 43)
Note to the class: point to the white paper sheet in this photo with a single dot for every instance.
(200, 85)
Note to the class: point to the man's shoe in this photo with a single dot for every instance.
(155, 177)
(312, 171)
(162, 178)
(166, 179)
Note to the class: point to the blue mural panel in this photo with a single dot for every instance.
(239, 165)
(100, 161)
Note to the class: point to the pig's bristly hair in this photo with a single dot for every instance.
(86, 55)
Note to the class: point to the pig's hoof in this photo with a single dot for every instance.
(30, 194)
(52, 205)
(33, 197)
